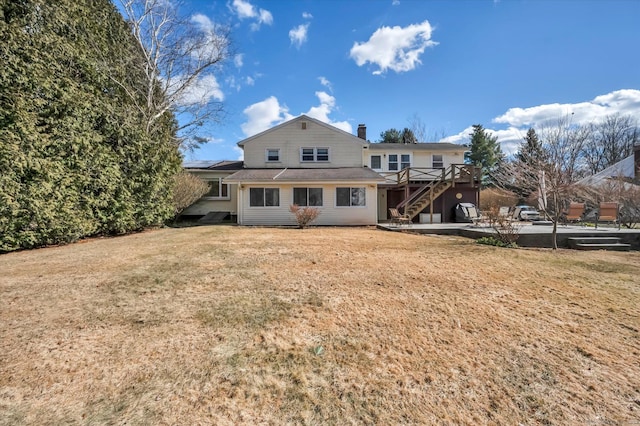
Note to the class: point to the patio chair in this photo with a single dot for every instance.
(399, 219)
(574, 214)
(608, 212)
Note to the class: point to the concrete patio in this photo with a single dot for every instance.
(531, 235)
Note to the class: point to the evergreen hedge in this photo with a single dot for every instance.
(75, 157)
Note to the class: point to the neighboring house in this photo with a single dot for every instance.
(628, 170)
(351, 181)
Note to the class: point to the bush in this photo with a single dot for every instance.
(492, 241)
(187, 189)
(304, 215)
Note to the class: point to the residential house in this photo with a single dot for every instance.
(351, 181)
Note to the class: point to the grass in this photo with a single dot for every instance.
(229, 325)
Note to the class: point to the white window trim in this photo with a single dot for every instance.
(315, 154)
(307, 188)
(400, 160)
(220, 183)
(263, 188)
(381, 163)
(266, 155)
(335, 194)
(433, 162)
(396, 162)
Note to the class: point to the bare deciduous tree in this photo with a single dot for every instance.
(611, 140)
(553, 176)
(182, 55)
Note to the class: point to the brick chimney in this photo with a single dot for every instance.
(362, 131)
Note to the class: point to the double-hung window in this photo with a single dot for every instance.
(273, 155)
(217, 189)
(307, 197)
(437, 162)
(393, 162)
(376, 162)
(314, 154)
(264, 197)
(351, 197)
(405, 161)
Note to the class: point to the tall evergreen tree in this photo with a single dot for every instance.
(485, 152)
(531, 151)
(75, 157)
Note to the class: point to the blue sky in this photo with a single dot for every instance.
(507, 65)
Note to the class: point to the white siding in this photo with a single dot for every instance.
(344, 149)
(419, 158)
(329, 213)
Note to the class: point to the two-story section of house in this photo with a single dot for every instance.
(424, 180)
(309, 163)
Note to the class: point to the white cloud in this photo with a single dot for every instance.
(246, 10)
(395, 2)
(264, 115)
(519, 120)
(322, 111)
(238, 60)
(249, 81)
(298, 35)
(204, 23)
(240, 153)
(203, 90)
(307, 15)
(624, 102)
(268, 113)
(326, 83)
(394, 48)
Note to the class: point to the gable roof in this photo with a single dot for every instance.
(621, 169)
(297, 119)
(420, 146)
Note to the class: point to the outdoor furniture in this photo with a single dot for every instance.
(399, 219)
(608, 212)
(574, 214)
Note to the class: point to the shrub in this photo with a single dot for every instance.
(492, 241)
(187, 189)
(304, 215)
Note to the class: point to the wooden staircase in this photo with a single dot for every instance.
(597, 243)
(430, 191)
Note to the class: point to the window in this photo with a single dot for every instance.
(376, 162)
(217, 189)
(273, 155)
(393, 161)
(314, 154)
(436, 161)
(351, 197)
(264, 197)
(322, 154)
(405, 161)
(307, 197)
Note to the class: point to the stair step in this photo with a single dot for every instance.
(592, 240)
(597, 246)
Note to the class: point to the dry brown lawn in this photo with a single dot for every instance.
(230, 325)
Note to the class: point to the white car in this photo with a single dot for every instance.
(527, 213)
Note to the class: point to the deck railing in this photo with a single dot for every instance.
(455, 172)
